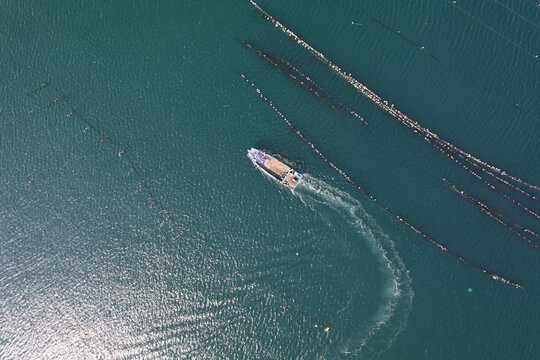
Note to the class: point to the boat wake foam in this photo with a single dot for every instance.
(391, 317)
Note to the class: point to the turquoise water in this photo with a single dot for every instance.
(180, 248)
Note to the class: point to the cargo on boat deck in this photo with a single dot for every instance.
(276, 169)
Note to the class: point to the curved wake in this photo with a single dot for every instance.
(391, 316)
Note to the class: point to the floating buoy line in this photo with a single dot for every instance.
(383, 104)
(134, 168)
(112, 151)
(300, 78)
(452, 68)
(451, 151)
(371, 197)
(499, 192)
(306, 82)
(41, 87)
(448, 65)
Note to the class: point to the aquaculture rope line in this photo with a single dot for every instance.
(123, 153)
(452, 68)
(499, 192)
(43, 86)
(495, 215)
(447, 64)
(516, 13)
(383, 104)
(300, 78)
(371, 197)
(303, 80)
(510, 41)
(461, 161)
(103, 140)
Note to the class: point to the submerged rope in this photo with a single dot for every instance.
(439, 60)
(32, 113)
(43, 86)
(102, 140)
(499, 192)
(452, 68)
(134, 168)
(510, 41)
(300, 78)
(371, 197)
(517, 14)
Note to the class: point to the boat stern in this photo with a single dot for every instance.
(292, 179)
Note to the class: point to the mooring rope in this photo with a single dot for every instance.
(497, 191)
(31, 114)
(440, 61)
(300, 78)
(42, 86)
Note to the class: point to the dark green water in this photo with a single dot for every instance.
(180, 248)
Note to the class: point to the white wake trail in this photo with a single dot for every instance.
(392, 314)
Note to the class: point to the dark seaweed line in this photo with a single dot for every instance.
(498, 217)
(487, 172)
(298, 76)
(303, 80)
(295, 74)
(451, 150)
(462, 162)
(377, 100)
(371, 197)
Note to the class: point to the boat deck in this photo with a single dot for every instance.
(276, 167)
(281, 172)
(291, 180)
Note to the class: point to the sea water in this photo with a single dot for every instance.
(134, 226)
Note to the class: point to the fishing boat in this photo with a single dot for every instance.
(274, 168)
